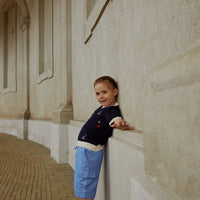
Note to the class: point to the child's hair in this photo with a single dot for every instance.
(110, 80)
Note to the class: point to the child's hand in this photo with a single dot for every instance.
(121, 124)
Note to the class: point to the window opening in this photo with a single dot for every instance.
(102, 4)
(45, 51)
(10, 36)
(90, 5)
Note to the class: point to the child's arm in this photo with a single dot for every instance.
(119, 123)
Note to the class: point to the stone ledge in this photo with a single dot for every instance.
(76, 123)
(132, 137)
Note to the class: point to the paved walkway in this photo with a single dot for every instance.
(27, 172)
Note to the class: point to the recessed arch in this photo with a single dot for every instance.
(22, 5)
(24, 8)
(18, 24)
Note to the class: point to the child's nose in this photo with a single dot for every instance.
(100, 96)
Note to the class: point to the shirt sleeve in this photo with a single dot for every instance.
(112, 113)
(113, 120)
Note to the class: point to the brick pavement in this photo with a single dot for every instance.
(27, 172)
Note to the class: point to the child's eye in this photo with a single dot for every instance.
(104, 92)
(97, 94)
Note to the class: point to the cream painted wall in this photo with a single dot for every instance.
(150, 48)
(132, 39)
(10, 97)
(40, 93)
(172, 125)
(53, 94)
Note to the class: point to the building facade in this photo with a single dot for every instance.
(51, 51)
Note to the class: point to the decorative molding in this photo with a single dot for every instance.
(8, 5)
(63, 114)
(44, 76)
(25, 24)
(10, 74)
(23, 7)
(93, 19)
(45, 69)
(24, 114)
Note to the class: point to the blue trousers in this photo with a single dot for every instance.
(87, 170)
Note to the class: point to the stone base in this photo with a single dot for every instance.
(12, 127)
(63, 114)
(59, 143)
(53, 136)
(122, 173)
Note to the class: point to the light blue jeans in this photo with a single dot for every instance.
(87, 170)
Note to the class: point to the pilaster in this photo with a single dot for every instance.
(63, 114)
(63, 110)
(24, 97)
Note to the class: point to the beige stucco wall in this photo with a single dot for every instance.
(172, 125)
(150, 48)
(9, 97)
(52, 93)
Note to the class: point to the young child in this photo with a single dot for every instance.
(93, 135)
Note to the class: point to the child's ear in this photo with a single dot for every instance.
(115, 91)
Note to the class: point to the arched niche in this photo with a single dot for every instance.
(22, 4)
(24, 8)
(15, 46)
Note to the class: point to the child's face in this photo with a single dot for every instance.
(105, 94)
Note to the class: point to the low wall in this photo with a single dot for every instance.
(122, 173)
(12, 127)
(52, 136)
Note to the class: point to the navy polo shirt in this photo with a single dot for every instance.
(97, 129)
